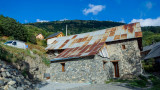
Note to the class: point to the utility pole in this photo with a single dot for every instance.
(66, 29)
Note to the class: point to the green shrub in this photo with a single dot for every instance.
(28, 52)
(148, 65)
(143, 78)
(138, 83)
(46, 61)
(41, 42)
(155, 82)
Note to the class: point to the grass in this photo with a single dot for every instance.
(12, 54)
(40, 53)
(140, 81)
(46, 61)
(155, 82)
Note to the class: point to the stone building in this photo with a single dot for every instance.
(95, 57)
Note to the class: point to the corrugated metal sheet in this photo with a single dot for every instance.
(86, 44)
(111, 34)
(155, 52)
(82, 51)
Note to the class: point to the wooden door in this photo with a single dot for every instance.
(116, 69)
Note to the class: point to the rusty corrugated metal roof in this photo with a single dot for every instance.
(106, 35)
(86, 44)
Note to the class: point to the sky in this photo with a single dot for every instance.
(147, 12)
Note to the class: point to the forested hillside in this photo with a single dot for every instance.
(151, 34)
(14, 30)
(75, 26)
(10, 27)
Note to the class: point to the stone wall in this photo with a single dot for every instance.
(86, 70)
(130, 58)
(34, 67)
(91, 69)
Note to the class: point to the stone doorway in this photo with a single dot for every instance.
(116, 69)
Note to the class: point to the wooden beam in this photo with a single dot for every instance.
(114, 60)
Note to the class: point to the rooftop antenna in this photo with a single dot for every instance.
(66, 29)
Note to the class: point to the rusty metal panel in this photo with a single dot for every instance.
(112, 32)
(74, 36)
(63, 44)
(130, 28)
(138, 34)
(117, 37)
(123, 36)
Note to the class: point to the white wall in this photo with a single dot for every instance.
(49, 41)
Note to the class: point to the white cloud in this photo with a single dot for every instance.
(38, 20)
(26, 21)
(147, 22)
(149, 5)
(122, 20)
(94, 9)
(64, 19)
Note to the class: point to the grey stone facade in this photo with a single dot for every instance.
(93, 70)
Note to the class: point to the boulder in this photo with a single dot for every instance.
(11, 88)
(4, 74)
(8, 74)
(11, 82)
(1, 82)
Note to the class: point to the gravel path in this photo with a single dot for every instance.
(59, 86)
(83, 86)
(104, 87)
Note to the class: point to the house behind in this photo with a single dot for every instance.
(97, 56)
(51, 38)
(40, 36)
(152, 52)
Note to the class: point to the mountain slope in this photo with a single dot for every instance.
(75, 26)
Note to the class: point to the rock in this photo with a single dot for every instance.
(11, 88)
(11, 82)
(4, 74)
(2, 69)
(1, 82)
(8, 74)
(12, 79)
(20, 88)
(5, 87)
(1, 78)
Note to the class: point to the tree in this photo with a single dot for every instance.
(11, 27)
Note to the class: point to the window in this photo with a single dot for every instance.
(123, 47)
(14, 43)
(104, 62)
(63, 67)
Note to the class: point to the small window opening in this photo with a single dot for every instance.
(63, 67)
(104, 63)
(123, 47)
